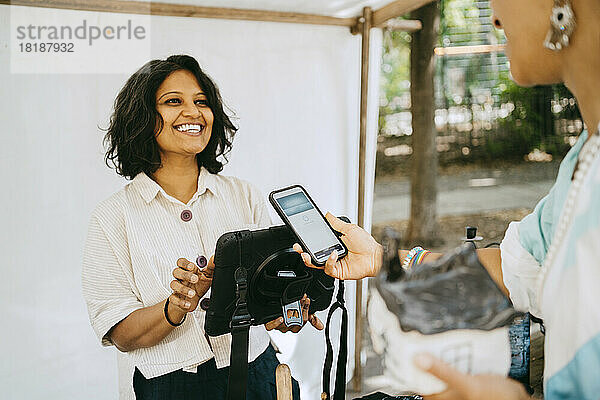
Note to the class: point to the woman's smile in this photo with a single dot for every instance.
(193, 129)
(188, 120)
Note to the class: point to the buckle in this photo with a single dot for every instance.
(240, 321)
(292, 312)
(241, 286)
(241, 297)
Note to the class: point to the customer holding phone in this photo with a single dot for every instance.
(548, 262)
(166, 134)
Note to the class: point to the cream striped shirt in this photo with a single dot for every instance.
(134, 240)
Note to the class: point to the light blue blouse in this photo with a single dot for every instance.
(536, 229)
(566, 294)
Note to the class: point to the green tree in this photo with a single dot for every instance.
(395, 74)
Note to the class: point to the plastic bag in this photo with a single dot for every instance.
(454, 292)
(450, 308)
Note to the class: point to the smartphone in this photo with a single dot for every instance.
(299, 212)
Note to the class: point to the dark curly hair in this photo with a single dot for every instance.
(131, 135)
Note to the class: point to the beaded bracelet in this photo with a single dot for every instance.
(167, 316)
(419, 257)
(415, 256)
(409, 256)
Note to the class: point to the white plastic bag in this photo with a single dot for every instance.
(450, 308)
(470, 351)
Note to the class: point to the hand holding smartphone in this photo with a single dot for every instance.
(301, 214)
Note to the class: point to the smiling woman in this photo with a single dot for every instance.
(164, 94)
(186, 123)
(167, 135)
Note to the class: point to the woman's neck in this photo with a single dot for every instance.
(586, 88)
(178, 176)
(582, 65)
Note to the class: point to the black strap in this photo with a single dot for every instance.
(340, 373)
(240, 328)
(288, 289)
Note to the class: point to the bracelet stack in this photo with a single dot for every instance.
(415, 256)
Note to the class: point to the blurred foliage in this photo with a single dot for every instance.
(395, 75)
(463, 22)
(467, 23)
(518, 133)
(531, 124)
(497, 119)
(460, 21)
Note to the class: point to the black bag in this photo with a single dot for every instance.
(453, 292)
(246, 290)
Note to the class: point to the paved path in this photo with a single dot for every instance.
(463, 199)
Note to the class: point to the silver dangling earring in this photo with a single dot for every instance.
(562, 25)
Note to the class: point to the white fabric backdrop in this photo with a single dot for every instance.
(295, 90)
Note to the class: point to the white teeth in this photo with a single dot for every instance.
(191, 128)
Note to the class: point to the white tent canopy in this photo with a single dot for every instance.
(295, 89)
(332, 8)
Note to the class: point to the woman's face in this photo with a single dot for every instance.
(187, 119)
(525, 24)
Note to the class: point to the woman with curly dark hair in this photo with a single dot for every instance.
(132, 136)
(167, 134)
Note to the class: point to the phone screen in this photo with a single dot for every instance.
(308, 224)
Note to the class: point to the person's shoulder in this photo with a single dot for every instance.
(111, 209)
(230, 180)
(567, 164)
(236, 185)
(593, 185)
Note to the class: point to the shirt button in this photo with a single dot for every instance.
(201, 261)
(205, 304)
(186, 215)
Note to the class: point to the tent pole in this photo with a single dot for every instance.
(396, 9)
(365, 30)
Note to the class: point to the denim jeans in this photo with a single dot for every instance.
(210, 383)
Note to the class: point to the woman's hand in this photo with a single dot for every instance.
(469, 387)
(279, 325)
(190, 284)
(147, 326)
(364, 253)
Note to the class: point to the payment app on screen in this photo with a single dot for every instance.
(309, 225)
